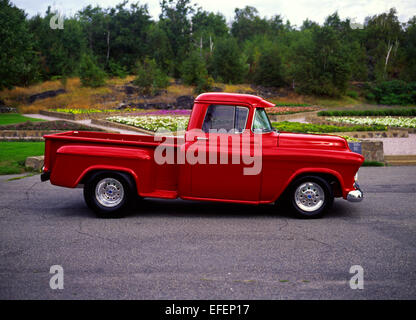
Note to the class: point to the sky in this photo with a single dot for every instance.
(296, 11)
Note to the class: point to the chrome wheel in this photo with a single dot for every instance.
(109, 192)
(309, 196)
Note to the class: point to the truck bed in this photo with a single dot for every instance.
(71, 156)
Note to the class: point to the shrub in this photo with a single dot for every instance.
(194, 71)
(227, 61)
(205, 84)
(352, 94)
(90, 73)
(116, 69)
(269, 68)
(395, 92)
(149, 77)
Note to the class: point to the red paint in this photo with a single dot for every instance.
(69, 156)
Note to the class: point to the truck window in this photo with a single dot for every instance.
(225, 117)
(261, 122)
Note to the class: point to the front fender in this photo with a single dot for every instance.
(312, 170)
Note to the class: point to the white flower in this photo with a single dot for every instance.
(153, 123)
(402, 122)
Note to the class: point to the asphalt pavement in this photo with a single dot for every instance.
(175, 249)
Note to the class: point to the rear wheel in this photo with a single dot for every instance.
(310, 197)
(109, 194)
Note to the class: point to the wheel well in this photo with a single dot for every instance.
(124, 174)
(331, 179)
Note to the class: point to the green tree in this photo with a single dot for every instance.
(194, 69)
(118, 33)
(382, 40)
(268, 71)
(227, 61)
(321, 63)
(149, 77)
(247, 23)
(206, 28)
(161, 48)
(409, 72)
(175, 21)
(18, 62)
(59, 50)
(90, 73)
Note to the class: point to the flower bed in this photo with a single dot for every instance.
(86, 111)
(400, 122)
(175, 112)
(153, 123)
(289, 110)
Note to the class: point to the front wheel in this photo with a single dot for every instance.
(310, 197)
(109, 194)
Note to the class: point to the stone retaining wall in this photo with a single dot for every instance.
(374, 134)
(372, 150)
(26, 133)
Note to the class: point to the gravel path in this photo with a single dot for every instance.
(84, 122)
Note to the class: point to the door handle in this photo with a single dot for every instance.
(201, 138)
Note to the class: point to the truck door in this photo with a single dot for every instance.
(222, 145)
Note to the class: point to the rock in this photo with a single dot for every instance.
(217, 89)
(35, 163)
(122, 106)
(46, 94)
(131, 89)
(265, 92)
(163, 106)
(6, 109)
(185, 102)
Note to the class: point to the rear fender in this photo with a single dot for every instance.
(74, 162)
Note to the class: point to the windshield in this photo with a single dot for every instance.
(261, 122)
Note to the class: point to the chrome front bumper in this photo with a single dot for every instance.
(355, 195)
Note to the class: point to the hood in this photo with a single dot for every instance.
(312, 141)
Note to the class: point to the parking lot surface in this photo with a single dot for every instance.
(174, 249)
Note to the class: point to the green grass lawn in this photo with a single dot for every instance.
(14, 154)
(11, 118)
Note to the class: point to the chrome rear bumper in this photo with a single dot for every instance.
(355, 195)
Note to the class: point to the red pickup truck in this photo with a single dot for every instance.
(304, 171)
